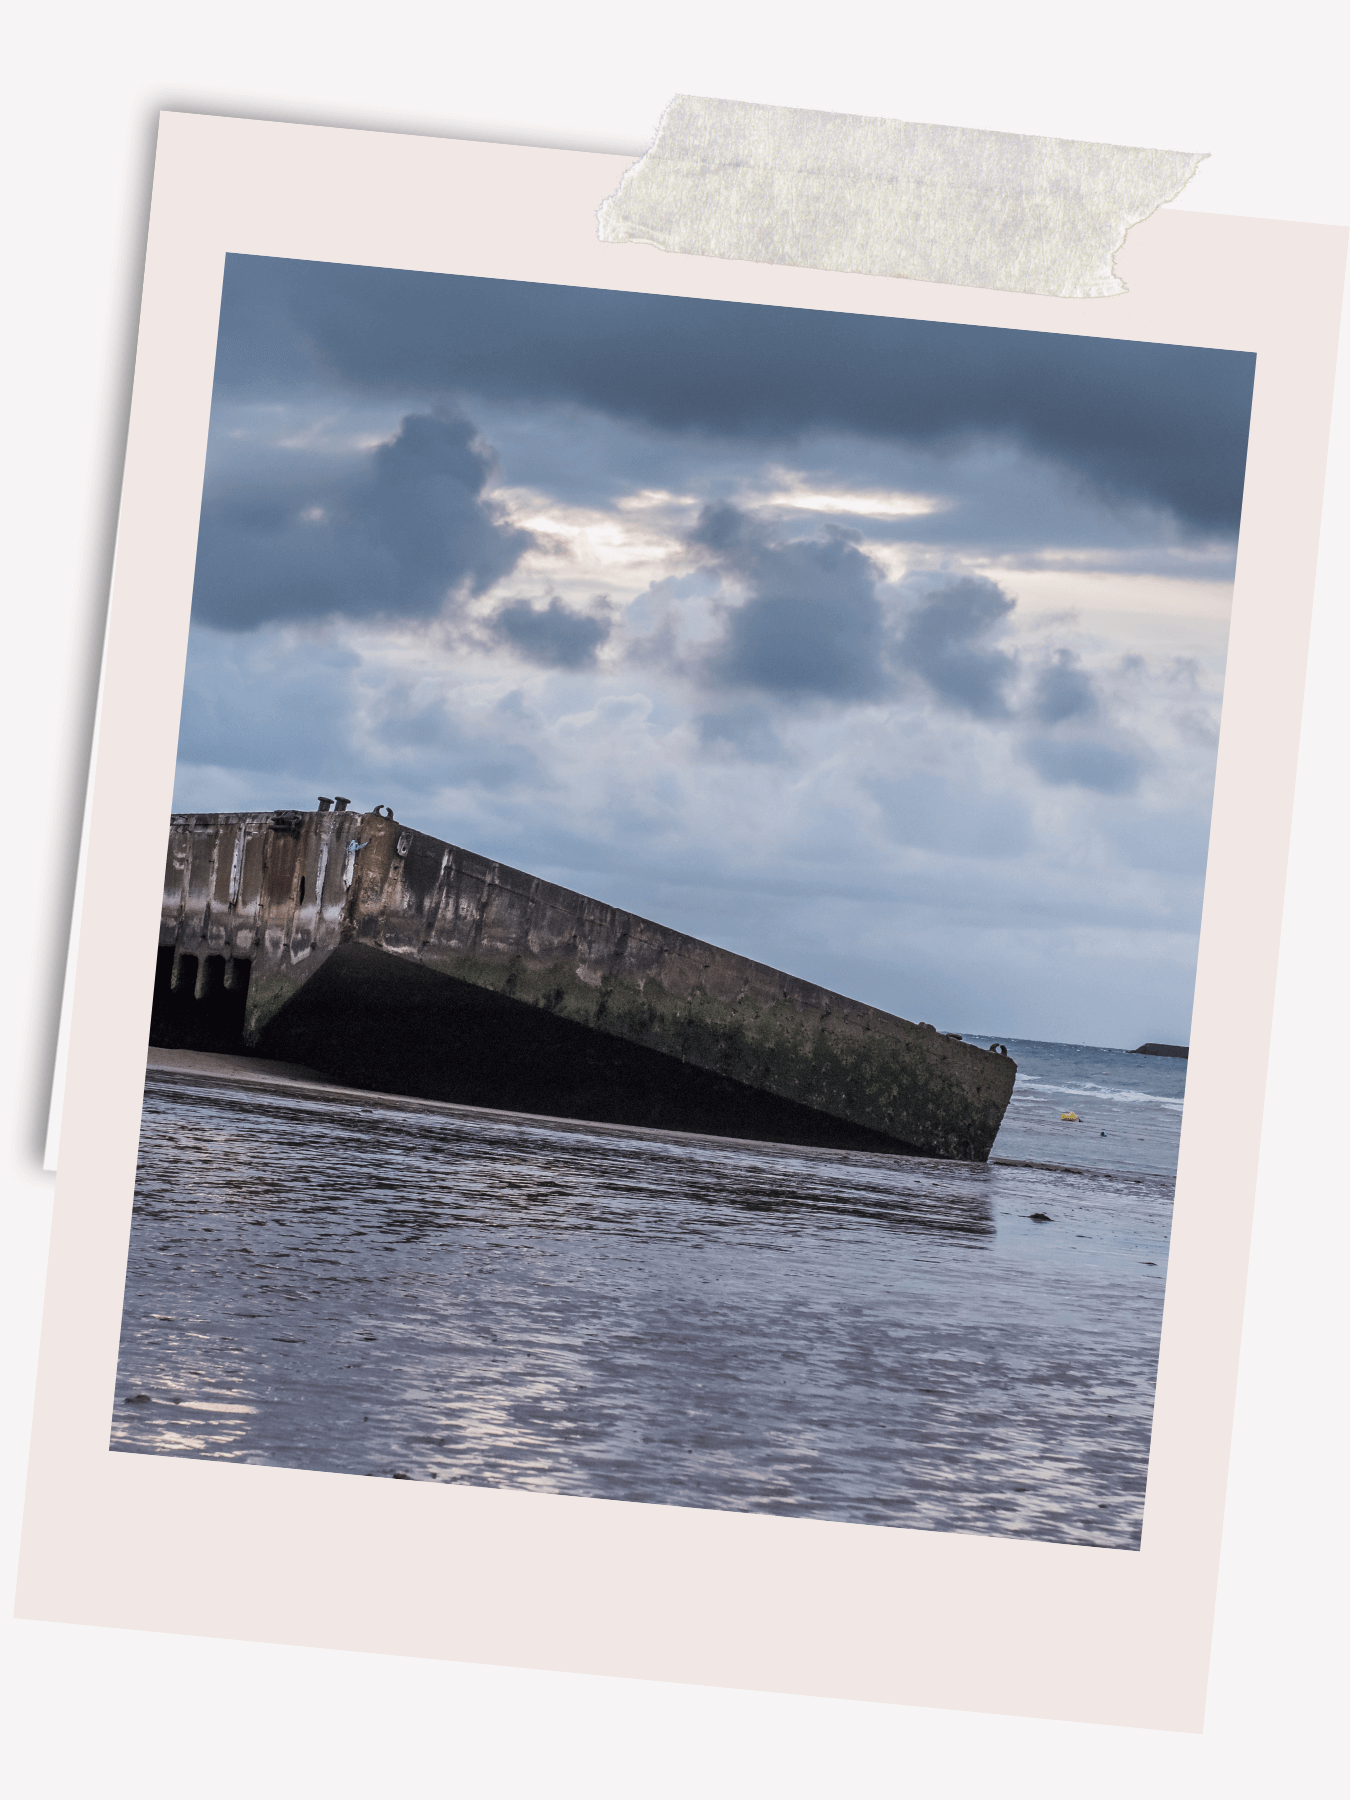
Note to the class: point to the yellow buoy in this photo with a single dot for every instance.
(1072, 1116)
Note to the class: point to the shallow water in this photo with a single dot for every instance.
(399, 1289)
(1128, 1107)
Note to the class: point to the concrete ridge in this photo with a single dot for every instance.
(388, 959)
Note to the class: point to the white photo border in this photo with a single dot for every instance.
(610, 1587)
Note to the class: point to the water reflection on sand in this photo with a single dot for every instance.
(346, 1283)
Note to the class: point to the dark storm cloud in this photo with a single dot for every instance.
(993, 501)
(1161, 424)
(1104, 768)
(553, 636)
(948, 641)
(743, 731)
(1175, 841)
(1063, 690)
(931, 812)
(319, 722)
(814, 624)
(295, 533)
(425, 743)
(811, 624)
(279, 713)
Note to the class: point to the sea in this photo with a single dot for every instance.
(354, 1282)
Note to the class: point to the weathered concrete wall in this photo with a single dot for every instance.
(282, 892)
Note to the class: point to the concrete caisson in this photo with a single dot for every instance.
(391, 960)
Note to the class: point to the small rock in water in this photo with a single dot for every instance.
(137, 1400)
(398, 1475)
(1040, 1218)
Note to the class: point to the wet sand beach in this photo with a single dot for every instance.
(329, 1279)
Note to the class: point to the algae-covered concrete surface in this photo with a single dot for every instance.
(357, 945)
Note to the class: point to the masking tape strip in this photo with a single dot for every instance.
(990, 209)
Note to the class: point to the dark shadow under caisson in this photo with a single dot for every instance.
(371, 1020)
(204, 1008)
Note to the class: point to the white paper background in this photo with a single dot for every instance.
(111, 1711)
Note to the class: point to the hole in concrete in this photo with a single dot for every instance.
(210, 978)
(205, 1010)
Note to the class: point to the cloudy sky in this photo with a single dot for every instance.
(888, 653)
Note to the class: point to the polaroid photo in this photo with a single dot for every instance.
(677, 941)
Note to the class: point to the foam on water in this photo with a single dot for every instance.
(1126, 1095)
(1129, 1107)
